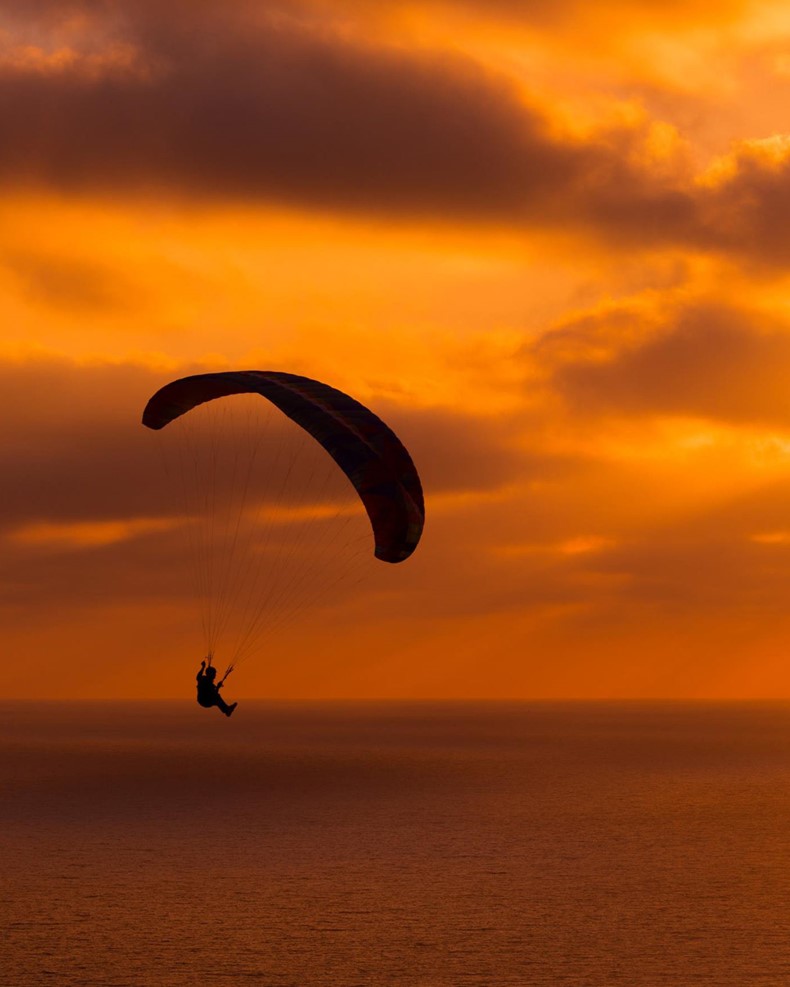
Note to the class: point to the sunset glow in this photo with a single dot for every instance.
(548, 246)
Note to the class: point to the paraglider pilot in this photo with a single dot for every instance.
(208, 691)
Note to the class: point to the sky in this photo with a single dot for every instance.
(547, 242)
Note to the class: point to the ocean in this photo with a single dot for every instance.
(419, 844)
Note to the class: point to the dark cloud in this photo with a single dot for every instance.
(278, 103)
(709, 361)
(731, 557)
(77, 458)
(746, 212)
(232, 106)
(77, 450)
(270, 105)
(71, 284)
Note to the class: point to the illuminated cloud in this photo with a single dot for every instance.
(572, 19)
(772, 538)
(86, 534)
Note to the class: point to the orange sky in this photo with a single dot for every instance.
(545, 241)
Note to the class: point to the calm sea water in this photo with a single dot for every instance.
(424, 845)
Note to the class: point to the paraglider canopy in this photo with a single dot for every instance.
(362, 445)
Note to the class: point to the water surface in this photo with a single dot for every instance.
(414, 844)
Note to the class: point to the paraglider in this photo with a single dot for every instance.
(237, 521)
(367, 450)
(208, 690)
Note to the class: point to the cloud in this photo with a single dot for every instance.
(698, 359)
(729, 559)
(86, 533)
(268, 109)
(78, 453)
(548, 15)
(276, 108)
(744, 202)
(90, 518)
(284, 106)
(69, 283)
